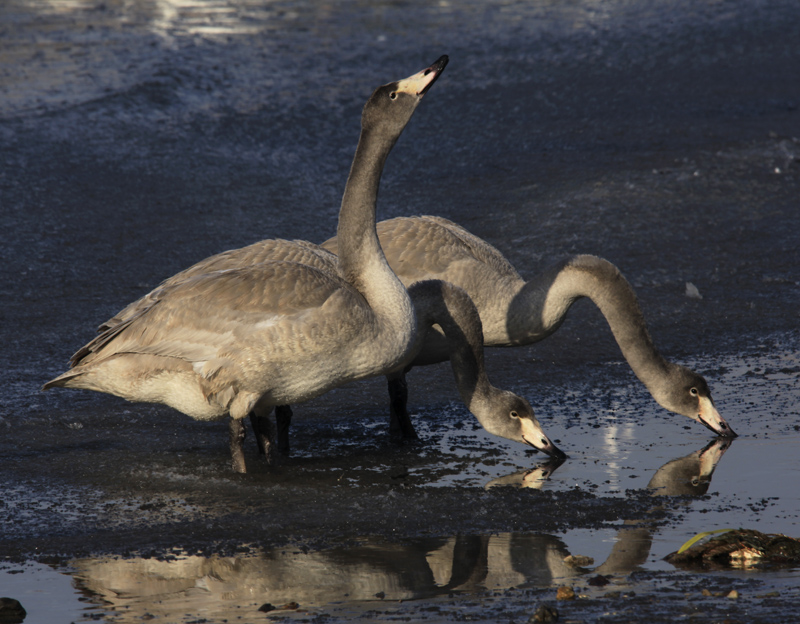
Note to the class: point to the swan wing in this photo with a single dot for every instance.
(270, 309)
(270, 250)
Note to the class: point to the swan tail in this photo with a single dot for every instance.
(70, 379)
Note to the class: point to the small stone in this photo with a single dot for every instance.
(706, 592)
(578, 561)
(692, 292)
(266, 608)
(544, 614)
(733, 594)
(291, 606)
(565, 593)
(11, 611)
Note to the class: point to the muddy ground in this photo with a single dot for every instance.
(139, 137)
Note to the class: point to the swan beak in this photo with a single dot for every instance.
(710, 456)
(419, 83)
(543, 471)
(533, 435)
(710, 417)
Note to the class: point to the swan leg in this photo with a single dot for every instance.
(238, 434)
(400, 426)
(470, 563)
(265, 434)
(283, 420)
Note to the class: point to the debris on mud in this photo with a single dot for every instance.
(545, 614)
(565, 593)
(742, 548)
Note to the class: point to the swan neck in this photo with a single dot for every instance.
(471, 380)
(553, 293)
(356, 232)
(361, 260)
(440, 303)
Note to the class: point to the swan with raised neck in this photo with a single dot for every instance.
(221, 343)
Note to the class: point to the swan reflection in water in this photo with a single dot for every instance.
(688, 476)
(532, 478)
(232, 587)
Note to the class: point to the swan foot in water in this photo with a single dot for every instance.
(238, 434)
(400, 426)
(265, 434)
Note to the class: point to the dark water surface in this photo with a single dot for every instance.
(138, 137)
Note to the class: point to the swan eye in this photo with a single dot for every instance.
(514, 414)
(693, 391)
(393, 95)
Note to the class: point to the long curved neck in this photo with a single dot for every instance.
(361, 259)
(360, 252)
(441, 303)
(541, 306)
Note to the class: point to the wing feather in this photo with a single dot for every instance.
(428, 247)
(270, 250)
(207, 319)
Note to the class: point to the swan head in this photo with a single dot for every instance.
(390, 107)
(690, 475)
(688, 394)
(510, 416)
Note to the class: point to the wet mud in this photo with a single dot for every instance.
(139, 137)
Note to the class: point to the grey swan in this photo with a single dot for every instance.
(221, 343)
(516, 312)
(436, 303)
(276, 307)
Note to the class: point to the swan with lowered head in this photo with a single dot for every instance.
(500, 412)
(516, 312)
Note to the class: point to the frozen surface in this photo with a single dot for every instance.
(137, 137)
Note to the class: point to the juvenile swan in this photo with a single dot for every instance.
(500, 412)
(460, 336)
(515, 312)
(276, 333)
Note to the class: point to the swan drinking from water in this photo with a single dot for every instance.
(517, 312)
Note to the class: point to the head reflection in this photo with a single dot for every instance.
(533, 478)
(690, 475)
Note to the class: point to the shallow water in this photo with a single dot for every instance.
(137, 137)
(703, 484)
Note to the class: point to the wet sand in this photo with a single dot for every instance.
(137, 138)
